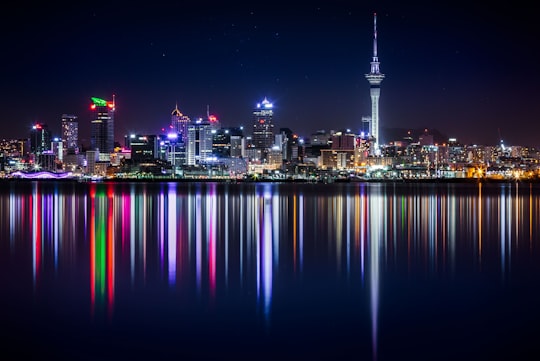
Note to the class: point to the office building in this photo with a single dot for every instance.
(40, 138)
(263, 127)
(102, 126)
(70, 134)
(200, 140)
(180, 124)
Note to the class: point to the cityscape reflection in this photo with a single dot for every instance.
(214, 240)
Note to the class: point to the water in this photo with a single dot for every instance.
(367, 271)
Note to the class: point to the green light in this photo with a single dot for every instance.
(99, 102)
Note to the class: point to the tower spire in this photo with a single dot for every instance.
(375, 62)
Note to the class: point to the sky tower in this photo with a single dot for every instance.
(375, 77)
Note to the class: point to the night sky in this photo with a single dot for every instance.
(471, 71)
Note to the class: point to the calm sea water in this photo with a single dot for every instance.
(366, 271)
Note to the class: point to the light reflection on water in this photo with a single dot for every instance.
(256, 241)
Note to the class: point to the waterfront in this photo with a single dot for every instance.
(138, 270)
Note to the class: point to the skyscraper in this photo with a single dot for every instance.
(40, 138)
(70, 134)
(263, 127)
(102, 127)
(375, 77)
(179, 124)
(200, 139)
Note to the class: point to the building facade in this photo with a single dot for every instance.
(70, 134)
(180, 124)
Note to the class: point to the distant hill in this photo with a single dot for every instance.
(393, 134)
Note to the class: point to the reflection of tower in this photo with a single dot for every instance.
(375, 77)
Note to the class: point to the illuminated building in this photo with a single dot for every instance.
(227, 142)
(343, 140)
(144, 148)
(375, 77)
(40, 138)
(200, 139)
(180, 124)
(263, 127)
(102, 127)
(70, 134)
(341, 155)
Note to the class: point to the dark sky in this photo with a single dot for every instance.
(472, 71)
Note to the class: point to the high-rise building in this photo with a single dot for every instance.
(286, 139)
(40, 139)
(102, 127)
(180, 124)
(144, 148)
(70, 134)
(343, 140)
(200, 139)
(375, 77)
(263, 127)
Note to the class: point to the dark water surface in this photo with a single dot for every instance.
(365, 271)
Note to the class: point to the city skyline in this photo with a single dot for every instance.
(465, 70)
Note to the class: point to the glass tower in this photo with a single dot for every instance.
(263, 127)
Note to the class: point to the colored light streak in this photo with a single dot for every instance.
(275, 227)
(102, 262)
(110, 250)
(35, 208)
(161, 229)
(132, 231)
(266, 256)
(295, 227)
(376, 211)
(226, 232)
(301, 231)
(211, 219)
(198, 239)
(172, 237)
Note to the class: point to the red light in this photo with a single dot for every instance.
(261, 121)
(92, 106)
(212, 118)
